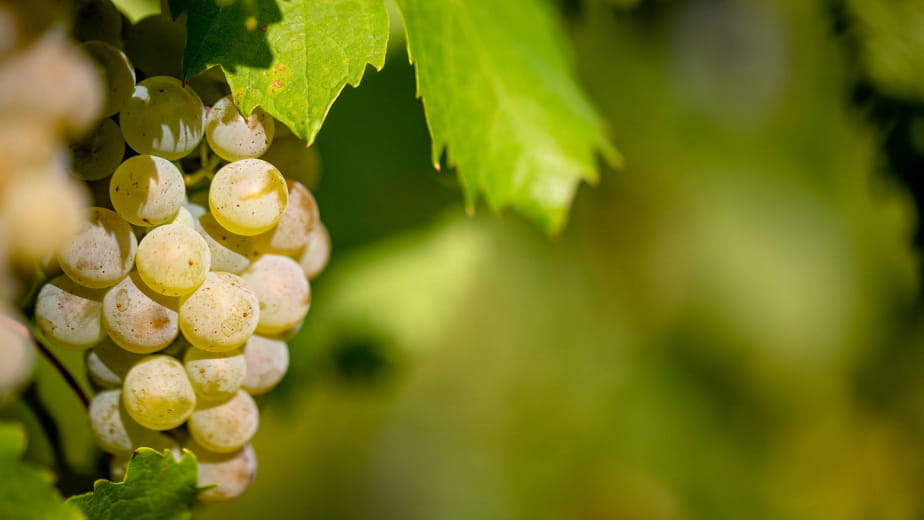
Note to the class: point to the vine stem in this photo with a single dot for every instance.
(68, 377)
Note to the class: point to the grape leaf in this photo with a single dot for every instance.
(501, 100)
(290, 57)
(26, 492)
(156, 487)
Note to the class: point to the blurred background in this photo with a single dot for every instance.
(728, 328)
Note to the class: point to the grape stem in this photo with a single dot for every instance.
(55, 362)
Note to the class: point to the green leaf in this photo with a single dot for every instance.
(290, 57)
(501, 100)
(156, 487)
(26, 492)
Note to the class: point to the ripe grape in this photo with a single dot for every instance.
(70, 315)
(184, 217)
(173, 259)
(215, 375)
(225, 426)
(314, 257)
(291, 232)
(229, 473)
(107, 363)
(115, 431)
(147, 190)
(234, 137)
(230, 252)
(99, 153)
(157, 393)
(138, 319)
(117, 74)
(102, 252)
(163, 118)
(221, 314)
(18, 361)
(282, 290)
(248, 197)
(267, 360)
(295, 160)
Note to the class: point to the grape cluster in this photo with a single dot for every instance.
(185, 278)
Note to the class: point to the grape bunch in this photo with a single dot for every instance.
(192, 267)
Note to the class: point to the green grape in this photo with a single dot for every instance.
(234, 137)
(163, 118)
(102, 252)
(70, 315)
(107, 363)
(118, 74)
(230, 473)
(173, 259)
(209, 87)
(115, 431)
(313, 259)
(267, 360)
(221, 314)
(99, 153)
(157, 394)
(248, 197)
(291, 232)
(138, 319)
(225, 426)
(147, 190)
(295, 160)
(155, 45)
(215, 375)
(97, 20)
(18, 361)
(230, 252)
(281, 289)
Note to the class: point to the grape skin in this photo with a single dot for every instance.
(163, 118)
(248, 197)
(215, 375)
(137, 319)
(229, 252)
(316, 254)
(291, 232)
(295, 160)
(98, 154)
(117, 73)
(221, 314)
(155, 45)
(173, 260)
(230, 473)
(102, 252)
(234, 137)
(107, 363)
(157, 393)
(147, 190)
(18, 361)
(282, 290)
(267, 360)
(225, 426)
(70, 315)
(115, 431)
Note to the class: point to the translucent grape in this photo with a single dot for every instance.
(295, 160)
(248, 197)
(102, 252)
(17, 359)
(267, 361)
(173, 259)
(234, 137)
(157, 394)
(147, 190)
(221, 314)
(99, 153)
(115, 431)
(70, 315)
(225, 426)
(118, 75)
(184, 217)
(215, 375)
(291, 232)
(155, 45)
(282, 290)
(314, 257)
(230, 473)
(229, 252)
(163, 118)
(138, 319)
(107, 363)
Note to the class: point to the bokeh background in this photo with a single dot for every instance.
(728, 328)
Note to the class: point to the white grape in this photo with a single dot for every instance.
(184, 217)
(147, 190)
(70, 315)
(215, 375)
(157, 393)
(99, 153)
(17, 360)
(229, 252)
(102, 252)
(163, 118)
(248, 197)
(313, 259)
(221, 314)
(107, 363)
(267, 360)
(230, 473)
(173, 259)
(115, 431)
(117, 74)
(291, 232)
(234, 137)
(295, 160)
(225, 426)
(138, 319)
(282, 290)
